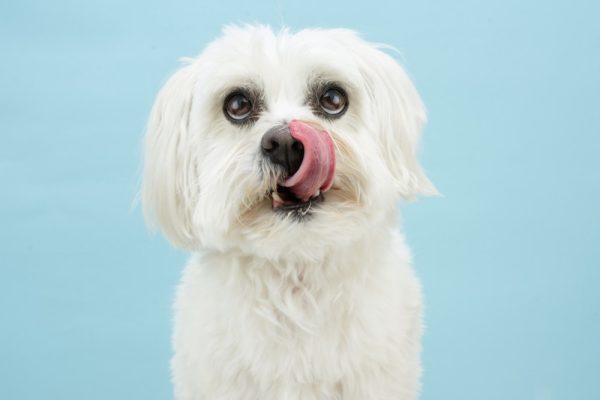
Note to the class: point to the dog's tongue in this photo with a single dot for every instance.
(317, 169)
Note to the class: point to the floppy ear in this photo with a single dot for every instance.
(399, 117)
(168, 188)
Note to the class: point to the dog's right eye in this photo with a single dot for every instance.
(237, 107)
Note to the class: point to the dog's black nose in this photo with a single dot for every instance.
(282, 149)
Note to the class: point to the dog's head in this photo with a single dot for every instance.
(282, 144)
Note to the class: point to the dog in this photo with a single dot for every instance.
(277, 159)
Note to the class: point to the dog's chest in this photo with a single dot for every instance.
(288, 326)
(257, 330)
(273, 326)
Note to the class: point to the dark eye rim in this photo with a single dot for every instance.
(250, 116)
(319, 95)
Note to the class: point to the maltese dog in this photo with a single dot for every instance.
(278, 160)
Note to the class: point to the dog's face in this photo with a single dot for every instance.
(282, 145)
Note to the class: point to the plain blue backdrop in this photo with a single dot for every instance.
(509, 256)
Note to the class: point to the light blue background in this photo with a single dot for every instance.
(509, 257)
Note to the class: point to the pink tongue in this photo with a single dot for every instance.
(318, 165)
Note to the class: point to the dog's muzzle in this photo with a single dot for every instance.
(307, 155)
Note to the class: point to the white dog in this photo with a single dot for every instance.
(278, 160)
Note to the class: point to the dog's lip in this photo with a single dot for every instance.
(282, 198)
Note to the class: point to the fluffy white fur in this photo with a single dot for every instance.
(270, 307)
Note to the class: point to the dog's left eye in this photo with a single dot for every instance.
(333, 102)
(237, 107)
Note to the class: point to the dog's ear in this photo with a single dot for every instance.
(399, 116)
(169, 171)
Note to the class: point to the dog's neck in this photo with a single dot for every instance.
(301, 295)
(331, 264)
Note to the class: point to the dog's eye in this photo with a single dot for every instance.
(237, 107)
(333, 102)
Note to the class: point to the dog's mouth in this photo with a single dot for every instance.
(283, 199)
(300, 191)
